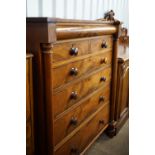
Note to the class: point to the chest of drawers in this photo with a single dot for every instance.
(75, 66)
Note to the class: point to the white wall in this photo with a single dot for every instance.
(78, 9)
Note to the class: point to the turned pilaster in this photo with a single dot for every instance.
(47, 71)
(111, 130)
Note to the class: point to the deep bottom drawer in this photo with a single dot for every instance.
(86, 134)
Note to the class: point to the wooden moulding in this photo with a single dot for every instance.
(69, 29)
(68, 32)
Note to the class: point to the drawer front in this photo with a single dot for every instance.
(73, 119)
(67, 50)
(70, 95)
(85, 135)
(71, 49)
(74, 70)
(98, 44)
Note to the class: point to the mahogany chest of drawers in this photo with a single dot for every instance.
(75, 68)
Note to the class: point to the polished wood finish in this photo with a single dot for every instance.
(82, 138)
(75, 48)
(29, 107)
(73, 118)
(122, 99)
(75, 80)
(123, 86)
(101, 43)
(82, 87)
(70, 49)
(120, 111)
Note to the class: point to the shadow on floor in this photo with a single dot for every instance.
(118, 145)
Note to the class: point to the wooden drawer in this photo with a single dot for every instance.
(72, 119)
(74, 70)
(64, 50)
(77, 143)
(102, 43)
(69, 95)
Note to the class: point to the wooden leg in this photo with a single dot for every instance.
(111, 130)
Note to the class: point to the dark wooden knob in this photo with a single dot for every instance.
(74, 121)
(103, 78)
(74, 95)
(104, 60)
(101, 99)
(75, 151)
(74, 51)
(104, 44)
(73, 71)
(101, 121)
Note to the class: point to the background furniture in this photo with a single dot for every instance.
(29, 107)
(122, 93)
(75, 72)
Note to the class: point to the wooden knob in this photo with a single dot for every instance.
(104, 44)
(103, 79)
(74, 51)
(75, 151)
(73, 71)
(101, 121)
(104, 60)
(101, 99)
(74, 95)
(74, 121)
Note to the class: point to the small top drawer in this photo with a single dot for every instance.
(70, 49)
(101, 43)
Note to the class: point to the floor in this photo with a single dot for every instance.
(118, 145)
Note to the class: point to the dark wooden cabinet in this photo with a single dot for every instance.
(29, 107)
(75, 72)
(122, 93)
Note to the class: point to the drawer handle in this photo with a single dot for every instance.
(74, 95)
(74, 71)
(74, 121)
(104, 44)
(75, 151)
(101, 122)
(101, 99)
(103, 78)
(74, 51)
(104, 60)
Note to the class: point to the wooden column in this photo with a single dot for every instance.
(47, 67)
(111, 130)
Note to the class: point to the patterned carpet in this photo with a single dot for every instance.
(118, 145)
